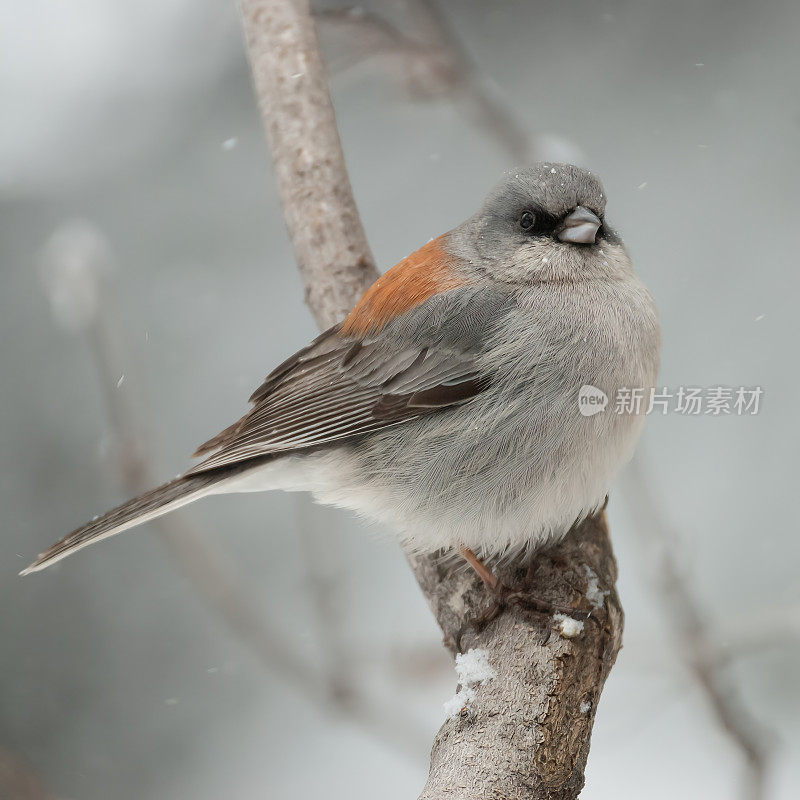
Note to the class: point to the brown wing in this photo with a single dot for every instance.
(340, 387)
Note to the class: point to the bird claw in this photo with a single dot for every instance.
(505, 596)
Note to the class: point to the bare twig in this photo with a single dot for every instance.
(435, 65)
(527, 733)
(697, 647)
(478, 101)
(18, 781)
(330, 245)
(76, 267)
(323, 569)
(77, 263)
(369, 35)
(772, 627)
(727, 640)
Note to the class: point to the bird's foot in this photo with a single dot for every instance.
(504, 596)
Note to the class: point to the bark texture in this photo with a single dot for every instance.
(291, 84)
(526, 732)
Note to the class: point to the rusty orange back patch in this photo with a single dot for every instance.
(417, 277)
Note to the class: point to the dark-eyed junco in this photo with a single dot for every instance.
(446, 403)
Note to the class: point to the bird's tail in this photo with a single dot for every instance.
(147, 506)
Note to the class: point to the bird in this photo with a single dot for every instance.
(447, 403)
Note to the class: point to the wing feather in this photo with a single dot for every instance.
(341, 387)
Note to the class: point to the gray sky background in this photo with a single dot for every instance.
(115, 680)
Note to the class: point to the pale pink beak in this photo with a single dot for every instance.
(580, 227)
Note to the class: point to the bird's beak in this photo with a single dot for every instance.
(580, 227)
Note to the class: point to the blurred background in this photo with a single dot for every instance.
(260, 646)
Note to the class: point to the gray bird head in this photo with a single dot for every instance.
(545, 222)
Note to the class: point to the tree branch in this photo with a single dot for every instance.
(18, 781)
(76, 265)
(435, 64)
(525, 733)
(696, 644)
(75, 270)
(329, 242)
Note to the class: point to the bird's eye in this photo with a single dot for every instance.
(527, 220)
